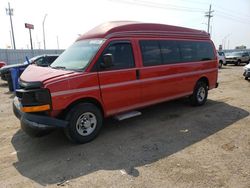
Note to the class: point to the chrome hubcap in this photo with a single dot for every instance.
(86, 124)
(201, 94)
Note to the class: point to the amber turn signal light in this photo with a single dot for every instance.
(36, 108)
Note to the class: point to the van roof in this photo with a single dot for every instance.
(130, 28)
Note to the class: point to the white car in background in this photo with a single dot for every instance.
(246, 73)
(221, 58)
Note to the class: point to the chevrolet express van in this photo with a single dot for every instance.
(112, 70)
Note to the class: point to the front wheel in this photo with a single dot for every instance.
(220, 64)
(246, 78)
(85, 122)
(199, 96)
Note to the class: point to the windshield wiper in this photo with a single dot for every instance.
(58, 67)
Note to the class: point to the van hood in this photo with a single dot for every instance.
(35, 73)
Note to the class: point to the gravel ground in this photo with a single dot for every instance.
(169, 145)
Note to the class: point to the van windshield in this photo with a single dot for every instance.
(78, 56)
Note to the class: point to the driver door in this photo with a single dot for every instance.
(120, 89)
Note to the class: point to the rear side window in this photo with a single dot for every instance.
(156, 52)
(205, 51)
(122, 55)
(151, 53)
(245, 54)
(170, 52)
(188, 51)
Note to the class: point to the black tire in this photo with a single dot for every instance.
(220, 64)
(75, 114)
(225, 64)
(246, 78)
(238, 62)
(199, 96)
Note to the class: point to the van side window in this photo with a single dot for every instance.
(151, 53)
(188, 51)
(157, 52)
(122, 55)
(205, 51)
(170, 52)
(39, 61)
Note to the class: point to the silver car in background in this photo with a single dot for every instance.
(221, 58)
(237, 58)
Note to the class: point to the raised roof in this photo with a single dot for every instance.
(128, 28)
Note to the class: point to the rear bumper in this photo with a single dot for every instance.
(36, 125)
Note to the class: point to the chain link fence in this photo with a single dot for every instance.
(19, 56)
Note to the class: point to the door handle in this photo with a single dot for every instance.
(137, 74)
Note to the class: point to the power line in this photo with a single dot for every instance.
(232, 15)
(231, 18)
(223, 9)
(219, 13)
(159, 5)
(195, 2)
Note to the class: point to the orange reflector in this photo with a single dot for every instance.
(35, 108)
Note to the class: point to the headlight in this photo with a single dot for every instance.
(34, 100)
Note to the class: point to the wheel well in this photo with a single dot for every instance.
(205, 80)
(83, 100)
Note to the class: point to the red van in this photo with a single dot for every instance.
(112, 70)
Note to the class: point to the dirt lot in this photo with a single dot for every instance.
(170, 145)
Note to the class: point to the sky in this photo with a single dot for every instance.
(66, 20)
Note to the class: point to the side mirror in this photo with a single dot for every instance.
(107, 61)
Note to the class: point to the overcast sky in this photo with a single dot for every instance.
(67, 19)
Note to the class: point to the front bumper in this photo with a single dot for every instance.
(36, 125)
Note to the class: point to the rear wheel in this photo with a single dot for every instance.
(246, 78)
(238, 63)
(199, 96)
(85, 122)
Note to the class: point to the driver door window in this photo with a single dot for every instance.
(122, 55)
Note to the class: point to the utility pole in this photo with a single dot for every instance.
(44, 45)
(11, 39)
(9, 11)
(57, 42)
(209, 16)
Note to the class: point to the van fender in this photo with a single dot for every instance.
(92, 100)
